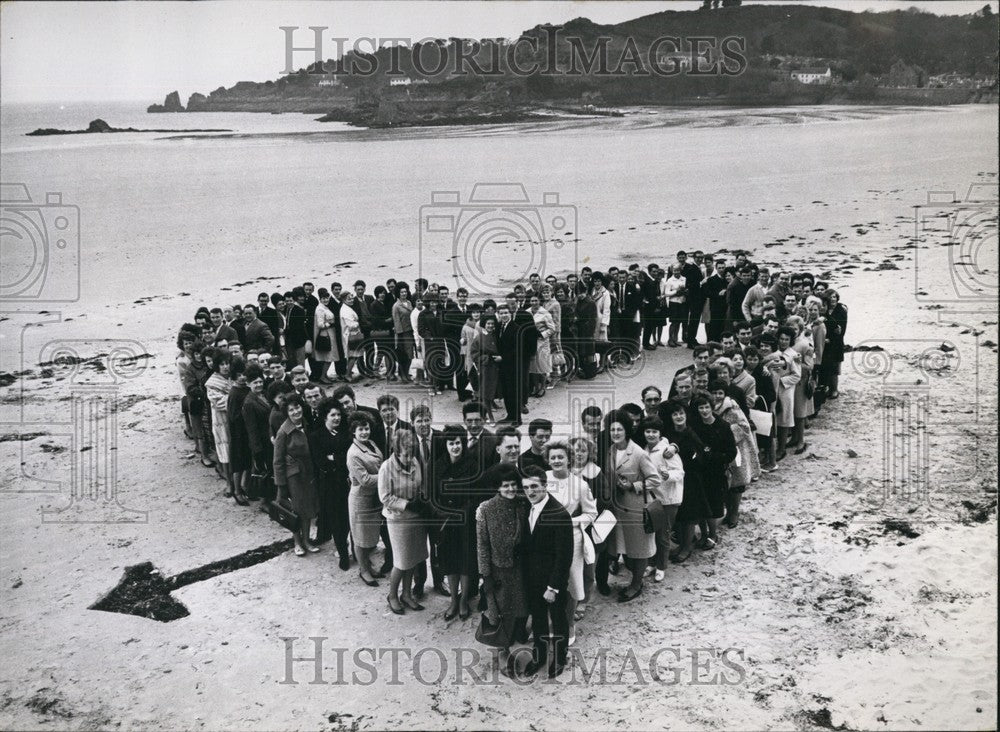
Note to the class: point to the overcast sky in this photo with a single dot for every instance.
(66, 52)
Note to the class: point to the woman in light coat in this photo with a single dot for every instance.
(667, 460)
(324, 324)
(540, 367)
(364, 460)
(802, 344)
(673, 289)
(635, 480)
(400, 489)
(350, 332)
(217, 389)
(785, 364)
(575, 496)
(746, 467)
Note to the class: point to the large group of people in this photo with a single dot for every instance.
(518, 535)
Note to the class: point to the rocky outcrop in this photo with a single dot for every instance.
(99, 126)
(171, 104)
(196, 102)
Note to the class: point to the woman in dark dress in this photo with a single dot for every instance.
(719, 450)
(694, 505)
(500, 525)
(455, 496)
(239, 442)
(293, 472)
(328, 443)
(256, 411)
(833, 355)
(485, 356)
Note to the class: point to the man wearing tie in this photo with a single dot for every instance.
(548, 554)
(388, 423)
(517, 340)
(429, 448)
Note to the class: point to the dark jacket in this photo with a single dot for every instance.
(329, 454)
(548, 550)
(258, 336)
(297, 327)
(256, 413)
(378, 432)
(293, 463)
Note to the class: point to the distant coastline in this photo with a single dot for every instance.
(788, 56)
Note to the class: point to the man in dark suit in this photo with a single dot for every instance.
(650, 290)
(481, 443)
(627, 301)
(310, 303)
(695, 300)
(271, 318)
(298, 329)
(388, 424)
(453, 317)
(256, 335)
(547, 556)
(586, 329)
(713, 290)
(344, 396)
(313, 396)
(517, 340)
(430, 449)
(431, 329)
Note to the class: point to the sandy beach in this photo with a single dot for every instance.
(848, 598)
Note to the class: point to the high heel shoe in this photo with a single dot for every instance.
(241, 499)
(411, 603)
(464, 611)
(397, 610)
(451, 612)
(369, 582)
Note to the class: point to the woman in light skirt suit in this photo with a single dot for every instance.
(364, 459)
(400, 489)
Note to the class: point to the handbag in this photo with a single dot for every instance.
(761, 419)
(492, 635)
(283, 515)
(654, 515)
(261, 486)
(323, 342)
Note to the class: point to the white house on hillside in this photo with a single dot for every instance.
(813, 76)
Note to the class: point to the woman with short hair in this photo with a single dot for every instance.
(329, 443)
(293, 472)
(400, 489)
(500, 525)
(350, 328)
(403, 329)
(256, 411)
(583, 464)
(485, 355)
(326, 345)
(720, 450)
(456, 495)
(694, 507)
(575, 496)
(217, 388)
(668, 462)
(239, 442)
(634, 479)
(364, 460)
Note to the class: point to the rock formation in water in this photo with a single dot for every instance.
(171, 104)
